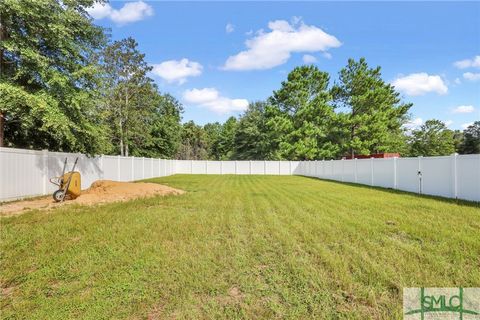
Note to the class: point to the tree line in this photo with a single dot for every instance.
(65, 86)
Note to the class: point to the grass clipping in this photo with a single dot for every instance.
(101, 191)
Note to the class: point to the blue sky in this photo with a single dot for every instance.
(216, 56)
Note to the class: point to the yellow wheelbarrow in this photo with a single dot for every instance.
(70, 184)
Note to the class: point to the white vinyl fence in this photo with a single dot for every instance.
(25, 173)
(455, 176)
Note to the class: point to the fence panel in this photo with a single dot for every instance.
(284, 167)
(349, 170)
(257, 167)
(109, 167)
(214, 167)
(229, 167)
(21, 172)
(468, 177)
(272, 167)
(183, 166)
(364, 171)
(384, 173)
(437, 176)
(199, 167)
(407, 174)
(243, 167)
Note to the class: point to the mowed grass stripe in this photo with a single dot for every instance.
(238, 247)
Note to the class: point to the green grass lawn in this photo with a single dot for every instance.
(238, 247)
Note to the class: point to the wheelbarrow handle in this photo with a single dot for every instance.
(56, 181)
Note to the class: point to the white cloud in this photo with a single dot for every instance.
(448, 123)
(327, 55)
(308, 58)
(177, 70)
(463, 109)
(466, 125)
(130, 12)
(413, 124)
(211, 99)
(229, 28)
(273, 48)
(457, 81)
(471, 76)
(99, 10)
(417, 84)
(468, 63)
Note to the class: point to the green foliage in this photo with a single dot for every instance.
(252, 140)
(165, 128)
(194, 142)
(48, 76)
(375, 114)
(300, 117)
(432, 139)
(471, 139)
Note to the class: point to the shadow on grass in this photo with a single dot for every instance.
(460, 202)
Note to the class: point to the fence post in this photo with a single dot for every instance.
(420, 174)
(206, 166)
(355, 170)
(221, 166)
(250, 166)
(133, 168)
(118, 168)
(45, 169)
(343, 169)
(264, 167)
(159, 167)
(290, 167)
(151, 167)
(395, 173)
(371, 171)
(236, 167)
(102, 173)
(454, 175)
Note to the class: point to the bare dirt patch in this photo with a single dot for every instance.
(101, 191)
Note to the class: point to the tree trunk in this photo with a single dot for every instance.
(126, 113)
(3, 36)
(121, 137)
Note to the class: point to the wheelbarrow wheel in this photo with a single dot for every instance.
(58, 195)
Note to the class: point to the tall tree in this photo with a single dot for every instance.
(471, 139)
(131, 95)
(375, 113)
(432, 139)
(194, 144)
(300, 116)
(213, 132)
(226, 141)
(48, 76)
(166, 128)
(252, 141)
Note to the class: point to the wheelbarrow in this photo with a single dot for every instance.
(69, 183)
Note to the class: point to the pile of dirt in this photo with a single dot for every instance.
(101, 191)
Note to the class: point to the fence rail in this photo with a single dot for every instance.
(25, 173)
